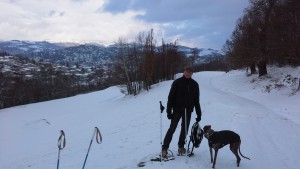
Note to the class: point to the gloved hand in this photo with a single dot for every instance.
(198, 118)
(170, 116)
(169, 110)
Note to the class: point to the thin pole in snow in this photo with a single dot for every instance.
(61, 145)
(161, 111)
(98, 139)
(185, 130)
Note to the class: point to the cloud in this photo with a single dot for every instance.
(197, 23)
(202, 23)
(67, 21)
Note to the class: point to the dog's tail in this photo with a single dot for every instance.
(242, 154)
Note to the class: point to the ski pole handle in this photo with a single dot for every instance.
(61, 140)
(162, 108)
(98, 135)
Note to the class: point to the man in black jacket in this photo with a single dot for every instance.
(183, 97)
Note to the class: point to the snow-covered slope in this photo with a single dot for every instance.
(268, 124)
(25, 47)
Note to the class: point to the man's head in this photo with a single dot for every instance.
(188, 72)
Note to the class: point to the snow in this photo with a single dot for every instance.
(267, 121)
(204, 52)
(24, 48)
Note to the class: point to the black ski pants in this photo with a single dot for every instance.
(173, 126)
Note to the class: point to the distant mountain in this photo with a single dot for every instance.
(88, 54)
(202, 51)
(16, 47)
(71, 53)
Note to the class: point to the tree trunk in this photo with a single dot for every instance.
(262, 68)
(252, 68)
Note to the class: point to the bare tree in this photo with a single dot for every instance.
(195, 55)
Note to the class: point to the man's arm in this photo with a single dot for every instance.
(171, 98)
(197, 102)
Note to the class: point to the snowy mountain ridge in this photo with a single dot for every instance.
(39, 48)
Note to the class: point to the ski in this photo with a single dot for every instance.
(168, 158)
(188, 153)
(156, 159)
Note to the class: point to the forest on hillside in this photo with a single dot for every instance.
(267, 33)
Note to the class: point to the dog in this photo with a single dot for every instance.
(219, 139)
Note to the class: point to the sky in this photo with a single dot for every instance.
(132, 127)
(193, 23)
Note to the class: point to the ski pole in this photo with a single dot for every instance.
(161, 111)
(61, 144)
(185, 130)
(98, 139)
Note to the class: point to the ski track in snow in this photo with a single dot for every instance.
(130, 128)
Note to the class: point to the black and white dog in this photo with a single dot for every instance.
(219, 139)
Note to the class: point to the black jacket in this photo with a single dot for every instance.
(184, 94)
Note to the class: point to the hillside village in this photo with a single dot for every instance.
(19, 75)
(12, 66)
